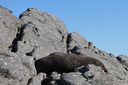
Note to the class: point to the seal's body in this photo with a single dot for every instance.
(65, 62)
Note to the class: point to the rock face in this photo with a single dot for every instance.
(36, 34)
(9, 27)
(123, 60)
(41, 34)
(17, 67)
(75, 39)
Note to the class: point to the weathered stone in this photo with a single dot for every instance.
(16, 67)
(74, 78)
(75, 39)
(37, 34)
(111, 63)
(94, 75)
(123, 60)
(5, 81)
(54, 78)
(37, 80)
(93, 48)
(4, 8)
(9, 26)
(42, 34)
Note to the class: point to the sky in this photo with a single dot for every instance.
(102, 22)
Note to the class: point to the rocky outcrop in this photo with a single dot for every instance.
(6, 9)
(123, 59)
(116, 71)
(75, 39)
(41, 34)
(9, 27)
(36, 34)
(16, 67)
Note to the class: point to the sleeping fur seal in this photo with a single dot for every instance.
(65, 62)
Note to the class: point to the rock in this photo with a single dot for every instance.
(37, 80)
(79, 50)
(111, 63)
(4, 8)
(42, 34)
(16, 67)
(123, 60)
(54, 78)
(74, 78)
(94, 75)
(75, 39)
(93, 48)
(108, 59)
(4, 81)
(37, 34)
(9, 27)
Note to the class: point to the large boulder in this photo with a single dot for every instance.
(9, 26)
(16, 68)
(37, 80)
(75, 39)
(123, 59)
(41, 34)
(74, 78)
(117, 71)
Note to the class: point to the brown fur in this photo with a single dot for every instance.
(65, 62)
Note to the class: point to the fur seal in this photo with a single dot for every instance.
(65, 62)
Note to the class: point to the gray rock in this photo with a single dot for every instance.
(42, 34)
(5, 81)
(75, 39)
(94, 48)
(54, 78)
(37, 34)
(16, 67)
(123, 60)
(94, 75)
(9, 26)
(4, 8)
(73, 78)
(37, 80)
(111, 63)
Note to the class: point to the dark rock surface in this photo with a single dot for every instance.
(37, 34)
